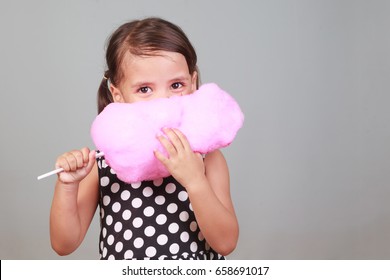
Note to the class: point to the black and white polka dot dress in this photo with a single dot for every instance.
(148, 220)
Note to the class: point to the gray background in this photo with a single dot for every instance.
(310, 169)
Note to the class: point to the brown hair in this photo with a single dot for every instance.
(143, 37)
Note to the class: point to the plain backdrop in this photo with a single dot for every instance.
(310, 169)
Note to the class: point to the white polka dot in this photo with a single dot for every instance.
(184, 236)
(173, 228)
(207, 246)
(118, 226)
(138, 242)
(190, 206)
(119, 247)
(128, 234)
(194, 246)
(137, 222)
(104, 232)
(193, 226)
(184, 216)
(129, 254)
(174, 248)
(149, 211)
(161, 219)
(112, 171)
(137, 202)
(200, 236)
(170, 188)
(106, 200)
(162, 239)
(183, 195)
(101, 245)
(104, 252)
(116, 207)
(150, 231)
(111, 257)
(150, 251)
(147, 191)
(104, 181)
(158, 182)
(136, 185)
(126, 214)
(109, 220)
(115, 188)
(104, 164)
(160, 200)
(102, 213)
(172, 208)
(125, 195)
(110, 239)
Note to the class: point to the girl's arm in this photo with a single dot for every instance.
(75, 200)
(208, 187)
(213, 207)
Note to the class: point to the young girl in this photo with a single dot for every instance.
(188, 215)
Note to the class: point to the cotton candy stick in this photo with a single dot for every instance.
(58, 170)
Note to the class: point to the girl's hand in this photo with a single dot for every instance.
(76, 164)
(184, 165)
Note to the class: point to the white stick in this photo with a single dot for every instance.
(58, 170)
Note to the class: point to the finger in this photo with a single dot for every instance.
(86, 153)
(62, 162)
(91, 161)
(200, 156)
(71, 161)
(161, 157)
(174, 138)
(79, 157)
(183, 139)
(167, 144)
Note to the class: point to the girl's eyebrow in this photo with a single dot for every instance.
(179, 78)
(141, 84)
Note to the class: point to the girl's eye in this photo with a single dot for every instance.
(176, 85)
(144, 90)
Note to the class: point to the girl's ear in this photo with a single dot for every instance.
(194, 79)
(116, 94)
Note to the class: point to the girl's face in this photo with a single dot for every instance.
(161, 75)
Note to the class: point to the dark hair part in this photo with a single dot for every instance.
(143, 37)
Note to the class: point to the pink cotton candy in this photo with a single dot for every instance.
(126, 133)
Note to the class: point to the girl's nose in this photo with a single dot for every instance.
(168, 94)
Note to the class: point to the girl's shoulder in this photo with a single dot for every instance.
(215, 160)
(215, 155)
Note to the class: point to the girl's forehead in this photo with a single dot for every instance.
(173, 57)
(157, 62)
